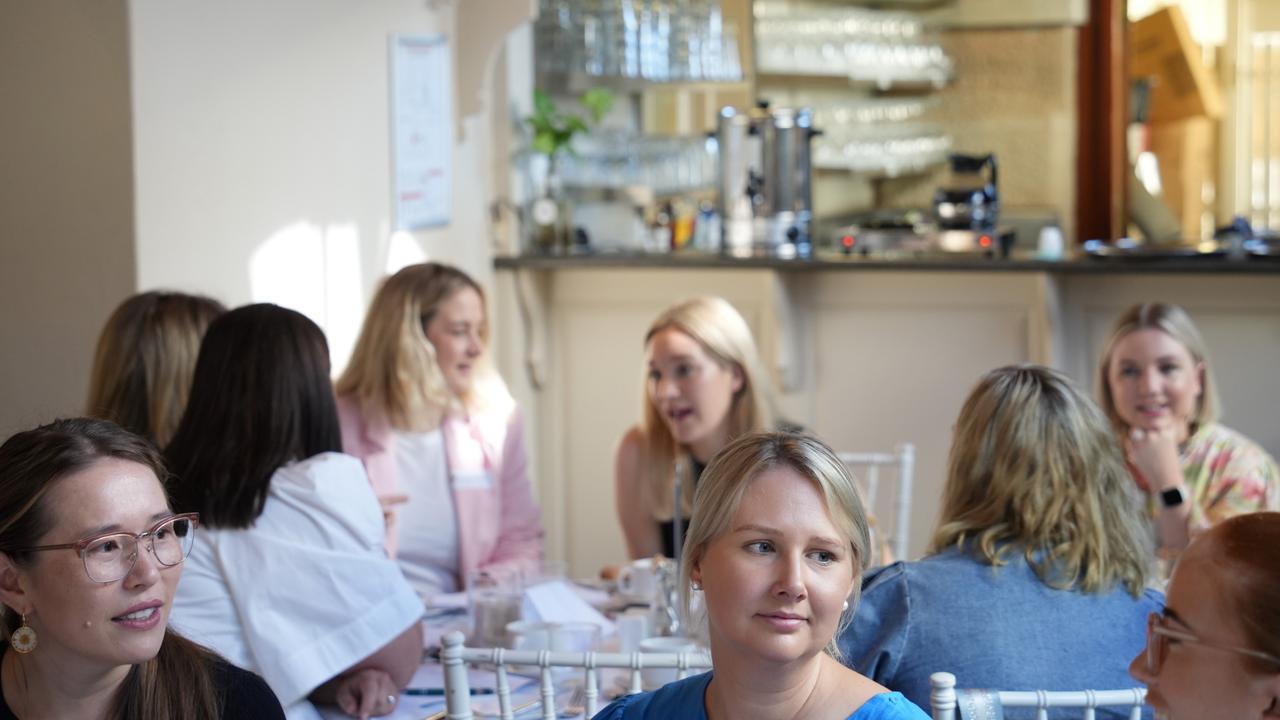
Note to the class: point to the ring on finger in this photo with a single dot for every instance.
(391, 699)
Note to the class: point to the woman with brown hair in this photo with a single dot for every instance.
(422, 406)
(1039, 556)
(90, 556)
(146, 353)
(1214, 650)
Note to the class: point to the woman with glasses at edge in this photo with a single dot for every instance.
(422, 406)
(1155, 384)
(1215, 650)
(290, 578)
(704, 386)
(1035, 577)
(90, 556)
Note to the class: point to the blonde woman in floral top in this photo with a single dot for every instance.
(1155, 385)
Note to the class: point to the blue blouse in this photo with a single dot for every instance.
(683, 700)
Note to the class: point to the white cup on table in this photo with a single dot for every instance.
(638, 581)
(633, 627)
(653, 678)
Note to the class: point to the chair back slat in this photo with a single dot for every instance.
(455, 657)
(902, 460)
(944, 699)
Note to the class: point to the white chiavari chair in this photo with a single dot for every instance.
(946, 702)
(455, 657)
(866, 467)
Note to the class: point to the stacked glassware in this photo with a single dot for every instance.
(879, 136)
(653, 40)
(864, 45)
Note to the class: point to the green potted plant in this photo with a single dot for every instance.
(553, 133)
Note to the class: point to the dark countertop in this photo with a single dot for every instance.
(932, 263)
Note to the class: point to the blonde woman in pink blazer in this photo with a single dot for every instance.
(441, 438)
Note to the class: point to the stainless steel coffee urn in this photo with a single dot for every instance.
(766, 201)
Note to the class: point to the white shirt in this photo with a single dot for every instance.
(305, 593)
(428, 552)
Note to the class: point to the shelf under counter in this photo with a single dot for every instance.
(932, 263)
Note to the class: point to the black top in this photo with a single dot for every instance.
(666, 530)
(243, 695)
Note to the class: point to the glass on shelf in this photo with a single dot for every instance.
(647, 40)
(864, 45)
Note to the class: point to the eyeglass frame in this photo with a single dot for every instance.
(1155, 626)
(149, 534)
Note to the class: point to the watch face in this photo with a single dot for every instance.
(1172, 497)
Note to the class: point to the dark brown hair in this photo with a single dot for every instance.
(142, 367)
(177, 683)
(1248, 547)
(260, 399)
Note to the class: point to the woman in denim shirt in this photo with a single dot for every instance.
(1036, 572)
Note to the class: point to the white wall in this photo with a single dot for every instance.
(263, 158)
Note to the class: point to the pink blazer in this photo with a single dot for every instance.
(499, 524)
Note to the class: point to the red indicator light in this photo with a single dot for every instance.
(847, 241)
(985, 241)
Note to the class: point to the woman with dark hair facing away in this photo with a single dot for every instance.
(1155, 385)
(146, 353)
(290, 578)
(1214, 652)
(90, 555)
(1036, 573)
(422, 405)
(777, 541)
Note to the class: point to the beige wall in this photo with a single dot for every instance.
(66, 210)
(263, 153)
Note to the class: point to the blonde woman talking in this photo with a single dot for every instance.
(704, 386)
(433, 422)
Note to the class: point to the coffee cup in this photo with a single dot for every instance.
(633, 627)
(638, 581)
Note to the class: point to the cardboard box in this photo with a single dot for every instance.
(1184, 150)
(1161, 48)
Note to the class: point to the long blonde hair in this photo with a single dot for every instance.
(393, 368)
(144, 361)
(1173, 321)
(726, 479)
(722, 333)
(1034, 468)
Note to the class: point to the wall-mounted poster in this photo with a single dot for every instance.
(421, 130)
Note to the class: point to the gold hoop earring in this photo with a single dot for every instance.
(23, 640)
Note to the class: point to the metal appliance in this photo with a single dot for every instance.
(765, 193)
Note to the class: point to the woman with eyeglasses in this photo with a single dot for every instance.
(90, 556)
(290, 578)
(1215, 650)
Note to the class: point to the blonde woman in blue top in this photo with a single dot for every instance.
(776, 544)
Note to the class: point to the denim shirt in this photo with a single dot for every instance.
(993, 627)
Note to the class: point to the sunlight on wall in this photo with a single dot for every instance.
(404, 250)
(316, 271)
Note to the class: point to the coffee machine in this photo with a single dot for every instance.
(967, 209)
(765, 191)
